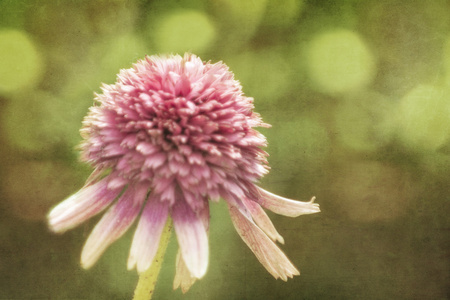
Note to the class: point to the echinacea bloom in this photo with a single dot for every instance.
(171, 134)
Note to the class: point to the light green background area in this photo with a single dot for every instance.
(358, 95)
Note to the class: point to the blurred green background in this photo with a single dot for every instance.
(358, 93)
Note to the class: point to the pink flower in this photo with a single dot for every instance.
(171, 134)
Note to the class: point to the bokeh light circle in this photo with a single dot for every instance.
(423, 117)
(183, 31)
(20, 61)
(339, 61)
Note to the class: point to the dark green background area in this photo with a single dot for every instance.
(364, 126)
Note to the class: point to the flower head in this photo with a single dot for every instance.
(171, 134)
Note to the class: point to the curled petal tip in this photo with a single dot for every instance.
(315, 206)
(286, 207)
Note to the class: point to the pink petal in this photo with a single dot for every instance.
(112, 226)
(192, 238)
(268, 254)
(155, 160)
(168, 194)
(86, 203)
(232, 186)
(193, 200)
(146, 148)
(95, 176)
(204, 215)
(262, 220)
(117, 182)
(113, 149)
(286, 207)
(183, 277)
(148, 233)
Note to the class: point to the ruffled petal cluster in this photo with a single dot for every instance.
(170, 135)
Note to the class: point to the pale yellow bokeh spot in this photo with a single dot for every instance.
(265, 75)
(184, 31)
(423, 117)
(339, 61)
(20, 62)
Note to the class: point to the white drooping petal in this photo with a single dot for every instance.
(192, 238)
(183, 277)
(86, 203)
(262, 220)
(148, 234)
(284, 206)
(268, 254)
(113, 225)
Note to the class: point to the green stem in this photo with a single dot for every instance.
(147, 280)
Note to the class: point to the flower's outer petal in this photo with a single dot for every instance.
(183, 277)
(95, 176)
(113, 224)
(148, 233)
(86, 203)
(284, 206)
(262, 220)
(192, 238)
(268, 254)
(204, 216)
